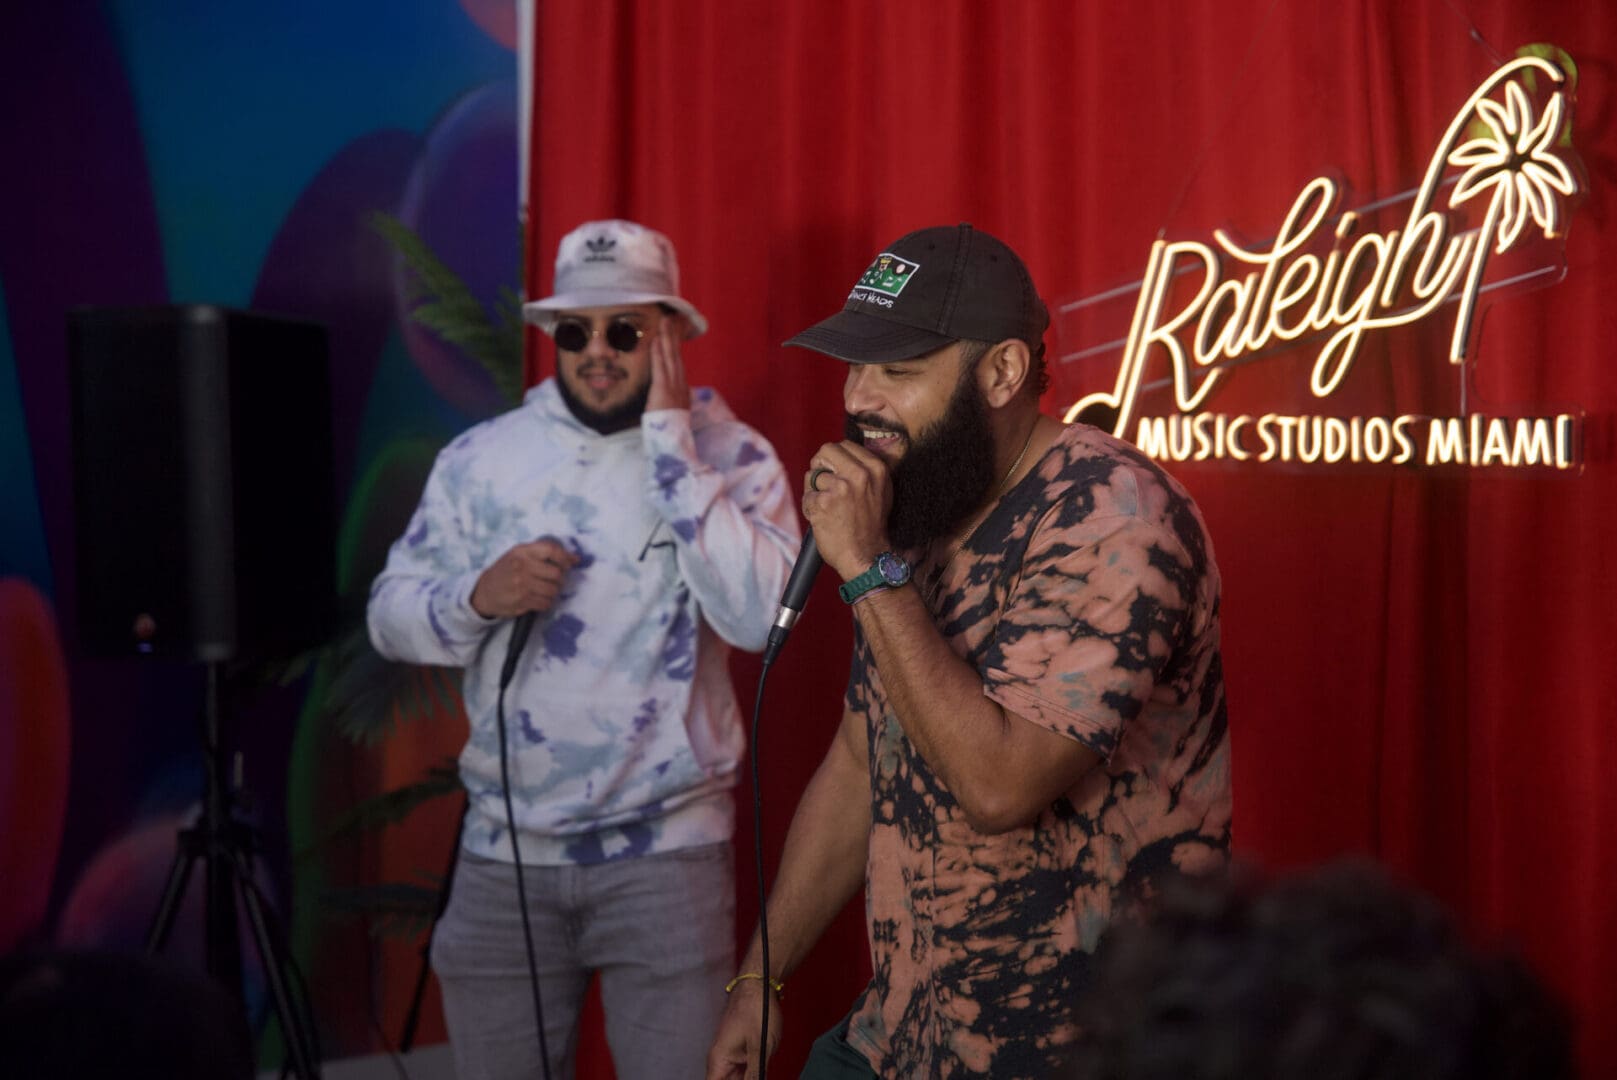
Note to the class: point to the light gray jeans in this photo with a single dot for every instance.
(660, 930)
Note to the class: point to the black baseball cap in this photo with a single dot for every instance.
(928, 289)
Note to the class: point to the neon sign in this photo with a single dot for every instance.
(1252, 299)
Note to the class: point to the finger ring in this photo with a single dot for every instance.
(814, 478)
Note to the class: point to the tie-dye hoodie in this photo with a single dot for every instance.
(623, 729)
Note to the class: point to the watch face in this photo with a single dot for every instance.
(894, 570)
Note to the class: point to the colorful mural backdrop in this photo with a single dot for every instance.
(233, 154)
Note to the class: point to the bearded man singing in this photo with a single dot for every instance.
(1034, 728)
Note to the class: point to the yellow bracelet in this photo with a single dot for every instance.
(774, 984)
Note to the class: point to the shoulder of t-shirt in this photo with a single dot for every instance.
(1120, 482)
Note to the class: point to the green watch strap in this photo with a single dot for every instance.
(855, 588)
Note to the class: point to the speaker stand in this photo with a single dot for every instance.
(225, 846)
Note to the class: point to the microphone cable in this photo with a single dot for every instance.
(792, 601)
(758, 861)
(520, 629)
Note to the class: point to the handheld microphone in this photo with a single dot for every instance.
(795, 595)
(520, 629)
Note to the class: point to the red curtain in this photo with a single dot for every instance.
(1417, 660)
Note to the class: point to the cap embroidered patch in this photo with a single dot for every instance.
(976, 288)
(888, 274)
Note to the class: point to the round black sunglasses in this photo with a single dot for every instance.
(573, 335)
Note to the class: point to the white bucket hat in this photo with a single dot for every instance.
(609, 263)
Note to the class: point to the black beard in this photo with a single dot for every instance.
(945, 475)
(608, 421)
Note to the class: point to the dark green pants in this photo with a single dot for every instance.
(831, 1058)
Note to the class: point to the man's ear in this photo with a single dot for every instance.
(1002, 371)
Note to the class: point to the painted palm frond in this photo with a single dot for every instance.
(392, 909)
(442, 303)
(369, 696)
(393, 806)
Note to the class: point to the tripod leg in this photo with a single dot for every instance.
(179, 875)
(222, 941)
(299, 1043)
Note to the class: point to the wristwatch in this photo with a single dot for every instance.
(887, 572)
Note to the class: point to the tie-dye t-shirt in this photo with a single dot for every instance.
(1089, 601)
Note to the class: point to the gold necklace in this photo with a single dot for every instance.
(937, 582)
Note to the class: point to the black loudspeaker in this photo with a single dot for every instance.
(204, 512)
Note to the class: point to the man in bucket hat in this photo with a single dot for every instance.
(1034, 729)
(641, 531)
